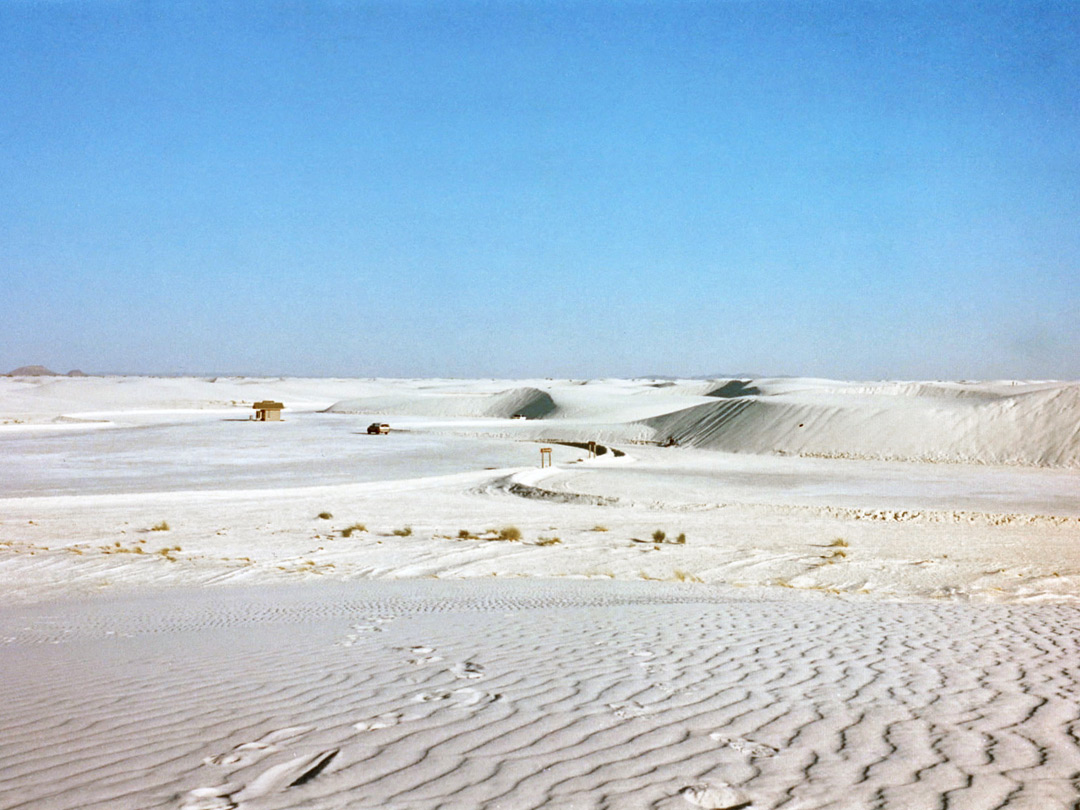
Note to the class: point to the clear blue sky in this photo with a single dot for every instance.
(844, 189)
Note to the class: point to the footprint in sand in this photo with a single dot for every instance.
(209, 798)
(358, 629)
(275, 779)
(467, 670)
(382, 721)
(715, 796)
(251, 752)
(293, 773)
(457, 698)
(630, 709)
(421, 655)
(748, 747)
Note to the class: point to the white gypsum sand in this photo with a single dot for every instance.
(875, 603)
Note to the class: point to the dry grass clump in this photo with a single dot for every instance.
(356, 527)
(160, 527)
(324, 516)
(510, 533)
(123, 550)
(684, 576)
(405, 531)
(660, 536)
(548, 541)
(465, 534)
(598, 529)
(839, 544)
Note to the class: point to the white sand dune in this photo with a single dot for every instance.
(1030, 424)
(203, 612)
(529, 402)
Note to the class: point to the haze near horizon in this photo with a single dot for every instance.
(563, 189)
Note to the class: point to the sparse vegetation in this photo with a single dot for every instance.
(659, 537)
(405, 531)
(356, 527)
(510, 533)
(838, 545)
(598, 529)
(160, 527)
(465, 534)
(325, 516)
(684, 576)
(548, 541)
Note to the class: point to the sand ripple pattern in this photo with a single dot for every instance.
(551, 695)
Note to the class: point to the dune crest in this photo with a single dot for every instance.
(526, 401)
(1030, 424)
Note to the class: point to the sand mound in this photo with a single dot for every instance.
(733, 389)
(1035, 424)
(530, 402)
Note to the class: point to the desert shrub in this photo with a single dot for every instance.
(839, 542)
(356, 527)
(511, 533)
(658, 536)
(325, 516)
(160, 527)
(681, 539)
(465, 534)
(403, 532)
(548, 541)
(685, 576)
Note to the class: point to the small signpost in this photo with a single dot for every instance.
(592, 449)
(545, 456)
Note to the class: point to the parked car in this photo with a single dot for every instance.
(378, 428)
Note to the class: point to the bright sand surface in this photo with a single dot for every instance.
(875, 605)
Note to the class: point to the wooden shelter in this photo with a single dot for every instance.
(268, 411)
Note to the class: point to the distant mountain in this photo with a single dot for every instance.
(32, 371)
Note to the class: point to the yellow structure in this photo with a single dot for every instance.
(268, 411)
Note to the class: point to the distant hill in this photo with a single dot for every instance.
(32, 371)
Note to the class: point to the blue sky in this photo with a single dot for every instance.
(845, 189)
